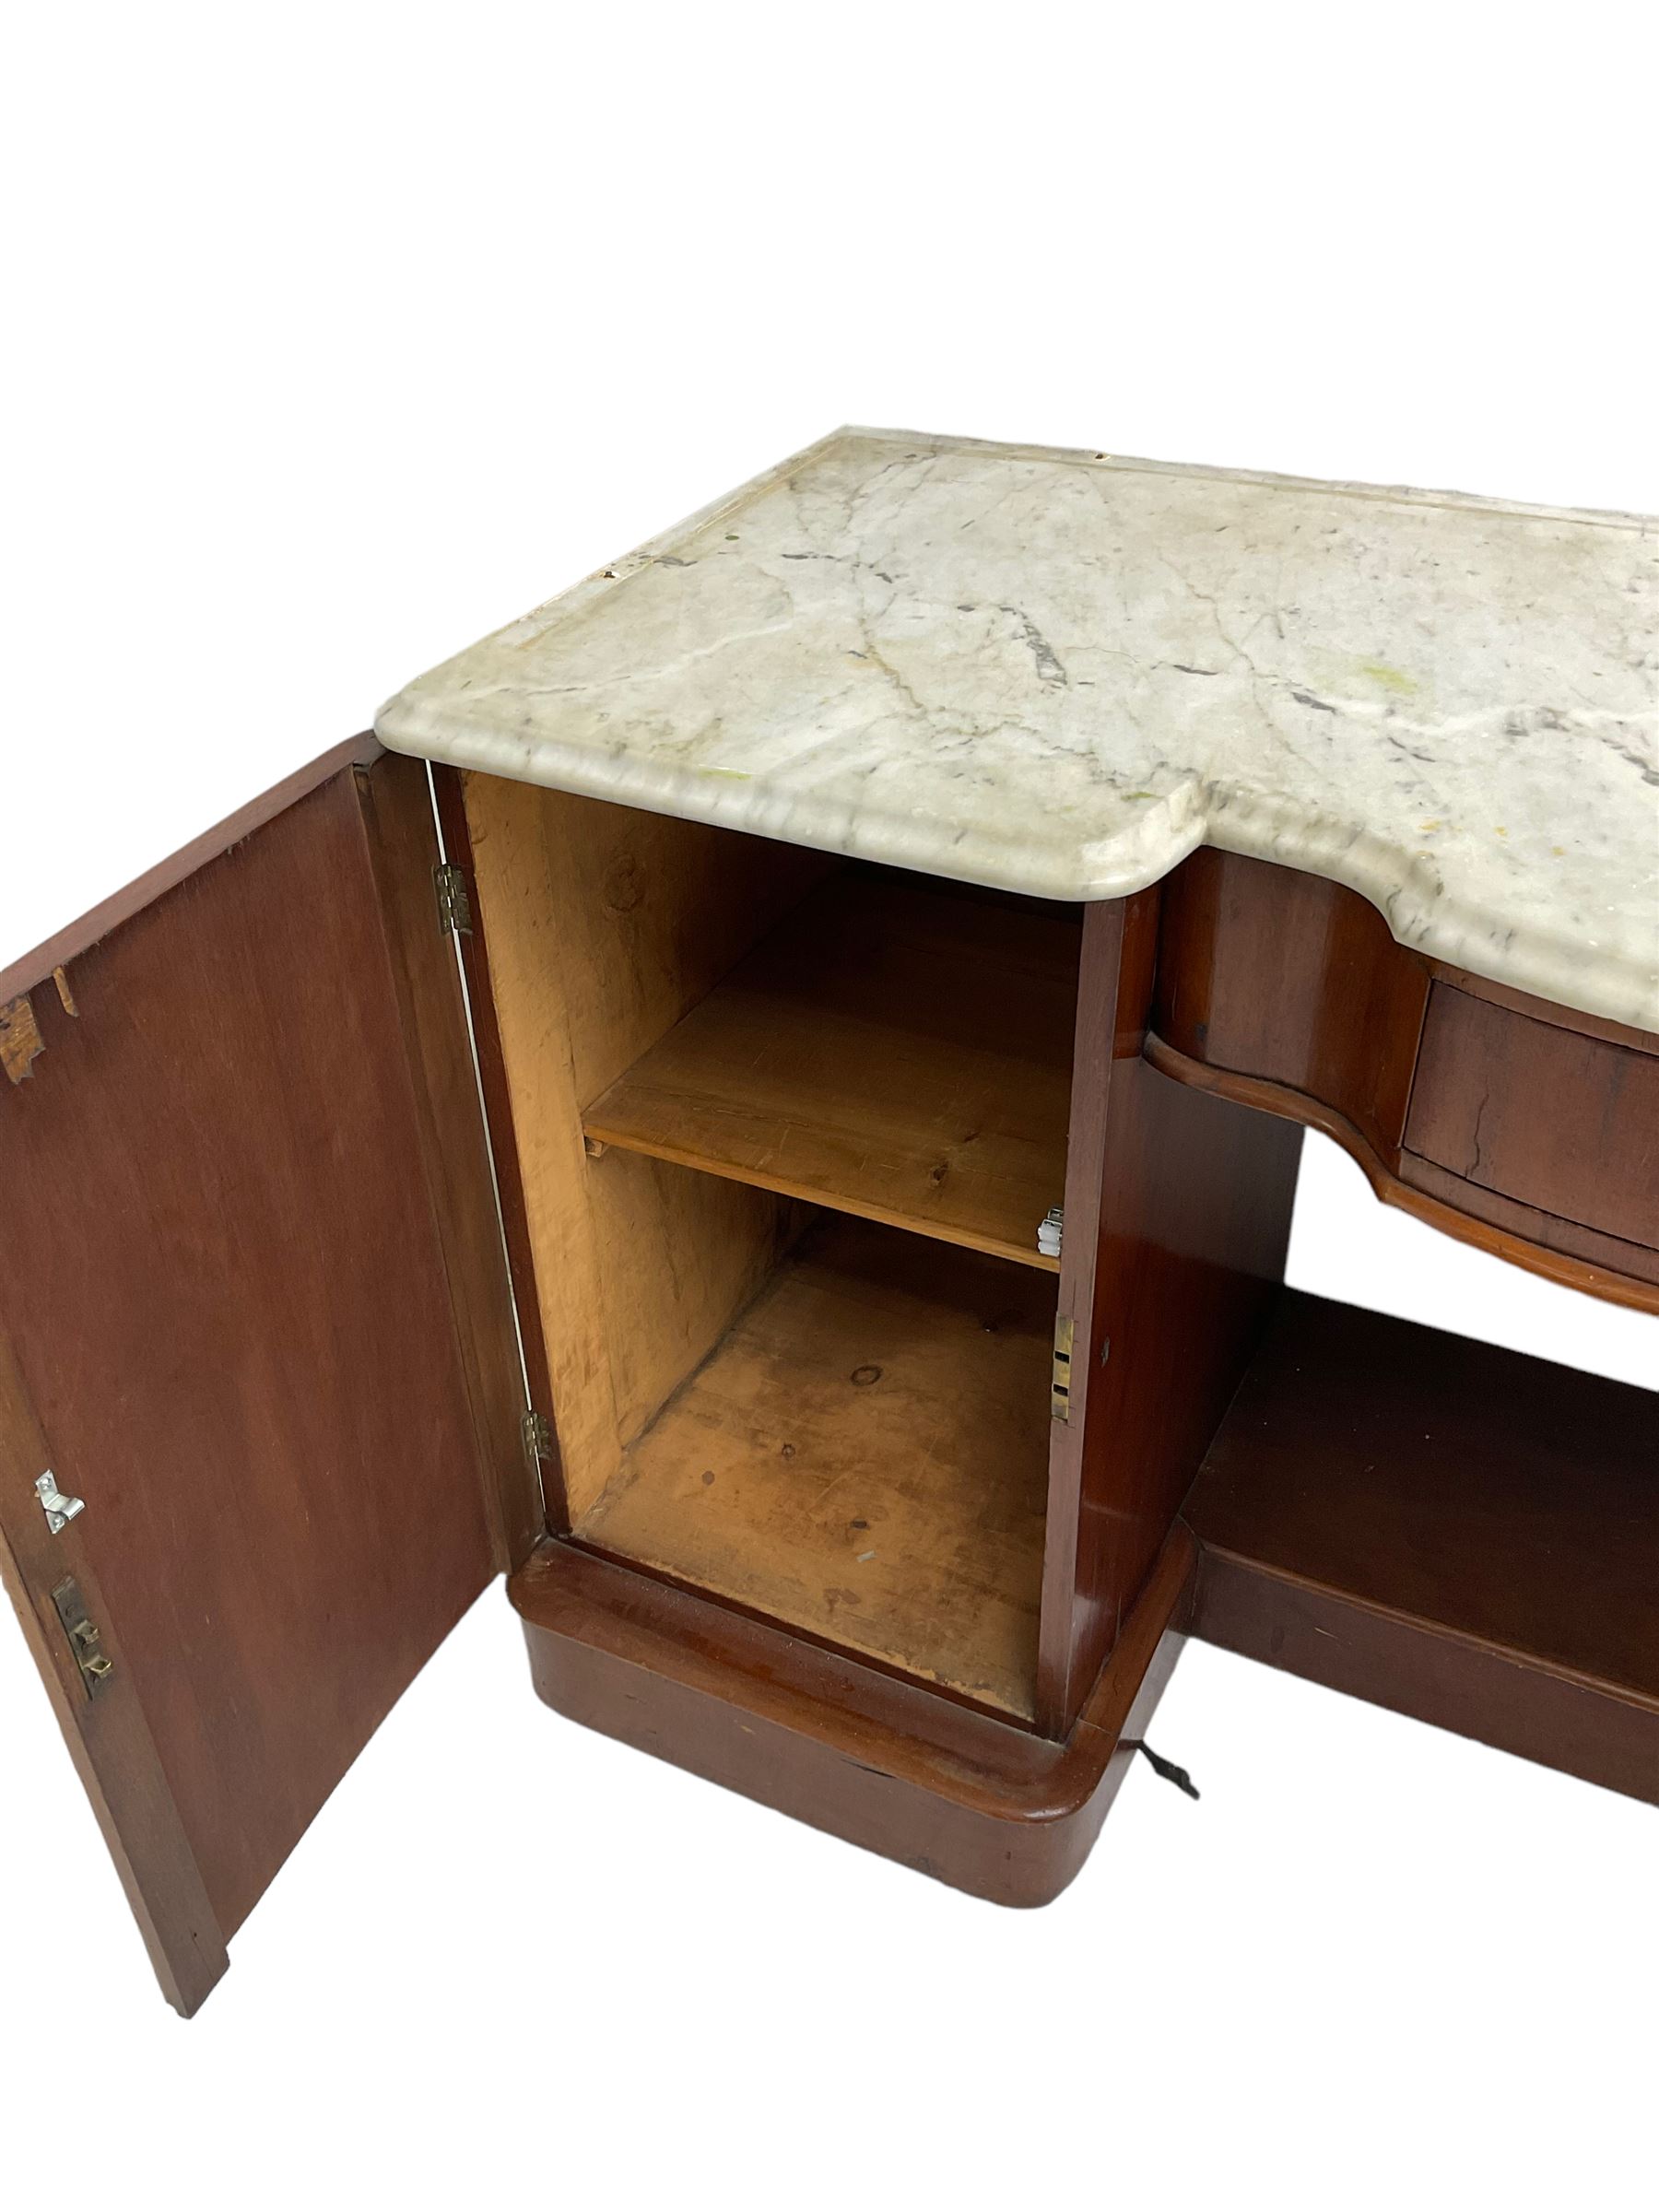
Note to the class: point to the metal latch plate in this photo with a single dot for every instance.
(1060, 1387)
(85, 1636)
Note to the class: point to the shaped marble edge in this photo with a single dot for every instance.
(1574, 960)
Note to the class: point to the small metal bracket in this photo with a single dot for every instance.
(1066, 1332)
(538, 1434)
(85, 1636)
(454, 908)
(58, 1509)
(1050, 1230)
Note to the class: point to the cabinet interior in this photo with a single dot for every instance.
(786, 1127)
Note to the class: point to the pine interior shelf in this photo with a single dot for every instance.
(896, 1048)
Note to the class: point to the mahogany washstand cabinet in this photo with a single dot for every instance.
(906, 917)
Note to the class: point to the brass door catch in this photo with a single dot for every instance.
(85, 1636)
(58, 1509)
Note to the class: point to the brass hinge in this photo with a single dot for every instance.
(538, 1434)
(454, 908)
(1060, 1388)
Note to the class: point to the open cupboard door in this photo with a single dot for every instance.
(260, 1406)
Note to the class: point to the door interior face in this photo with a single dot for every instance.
(225, 1293)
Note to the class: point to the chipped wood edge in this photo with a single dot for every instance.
(21, 1043)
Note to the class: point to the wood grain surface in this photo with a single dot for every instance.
(897, 1049)
(968, 1799)
(1458, 1532)
(225, 1292)
(1524, 1128)
(1177, 1219)
(595, 929)
(865, 1456)
(1563, 1122)
(108, 1735)
(1270, 972)
(397, 806)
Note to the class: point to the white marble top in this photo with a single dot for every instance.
(1059, 672)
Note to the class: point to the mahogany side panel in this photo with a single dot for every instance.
(1270, 972)
(224, 1286)
(1460, 1532)
(972, 1801)
(1177, 1219)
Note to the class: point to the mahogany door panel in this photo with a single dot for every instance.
(225, 1300)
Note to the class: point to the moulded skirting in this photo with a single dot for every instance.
(983, 1804)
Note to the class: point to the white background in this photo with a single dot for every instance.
(338, 335)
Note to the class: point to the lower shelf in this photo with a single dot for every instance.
(1462, 1534)
(971, 1800)
(865, 1455)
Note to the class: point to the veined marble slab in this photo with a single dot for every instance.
(1059, 672)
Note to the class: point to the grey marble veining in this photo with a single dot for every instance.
(1059, 672)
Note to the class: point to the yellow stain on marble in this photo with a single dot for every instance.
(1391, 679)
